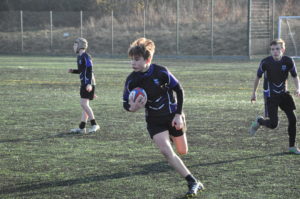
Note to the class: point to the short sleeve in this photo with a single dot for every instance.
(261, 69)
(293, 69)
(88, 61)
(169, 79)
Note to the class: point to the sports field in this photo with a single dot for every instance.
(40, 159)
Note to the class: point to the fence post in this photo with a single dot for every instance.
(144, 20)
(177, 28)
(112, 32)
(212, 29)
(51, 36)
(273, 18)
(279, 27)
(22, 42)
(81, 23)
(249, 28)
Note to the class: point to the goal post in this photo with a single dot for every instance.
(289, 31)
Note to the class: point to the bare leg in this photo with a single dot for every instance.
(181, 144)
(162, 140)
(84, 116)
(85, 104)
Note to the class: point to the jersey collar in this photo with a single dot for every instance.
(148, 72)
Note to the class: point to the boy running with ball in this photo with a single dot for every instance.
(164, 115)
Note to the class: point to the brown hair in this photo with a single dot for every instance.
(278, 41)
(142, 47)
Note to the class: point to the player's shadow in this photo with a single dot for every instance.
(235, 160)
(58, 135)
(239, 159)
(146, 169)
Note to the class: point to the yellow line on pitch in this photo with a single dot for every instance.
(12, 82)
(34, 82)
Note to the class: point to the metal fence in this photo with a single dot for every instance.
(182, 27)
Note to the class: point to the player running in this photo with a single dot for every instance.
(276, 69)
(164, 116)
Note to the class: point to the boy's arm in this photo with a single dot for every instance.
(296, 82)
(170, 80)
(74, 71)
(174, 84)
(179, 95)
(260, 71)
(89, 70)
(295, 77)
(126, 105)
(256, 83)
(126, 92)
(129, 104)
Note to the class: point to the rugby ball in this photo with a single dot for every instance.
(135, 93)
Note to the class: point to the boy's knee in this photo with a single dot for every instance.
(293, 121)
(182, 151)
(167, 153)
(273, 125)
(83, 104)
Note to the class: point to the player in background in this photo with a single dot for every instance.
(276, 69)
(87, 88)
(164, 117)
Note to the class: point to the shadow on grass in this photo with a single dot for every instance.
(240, 159)
(146, 169)
(58, 135)
(157, 167)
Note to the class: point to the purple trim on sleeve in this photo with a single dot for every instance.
(293, 70)
(260, 70)
(126, 91)
(88, 61)
(126, 96)
(172, 81)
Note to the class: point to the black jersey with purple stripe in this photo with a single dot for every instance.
(158, 82)
(276, 74)
(85, 69)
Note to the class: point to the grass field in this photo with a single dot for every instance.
(40, 159)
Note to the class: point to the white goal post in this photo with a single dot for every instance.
(289, 31)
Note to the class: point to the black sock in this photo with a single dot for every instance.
(93, 122)
(190, 178)
(82, 125)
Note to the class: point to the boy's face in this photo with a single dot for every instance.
(75, 46)
(139, 64)
(277, 51)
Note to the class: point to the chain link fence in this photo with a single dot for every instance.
(179, 28)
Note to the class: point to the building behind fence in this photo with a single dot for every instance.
(179, 28)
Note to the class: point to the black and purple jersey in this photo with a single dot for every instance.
(85, 69)
(276, 74)
(159, 84)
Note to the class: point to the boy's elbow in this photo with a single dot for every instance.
(126, 109)
(258, 77)
(126, 106)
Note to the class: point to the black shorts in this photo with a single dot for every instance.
(159, 124)
(87, 95)
(285, 101)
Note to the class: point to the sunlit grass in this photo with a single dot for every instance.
(39, 159)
